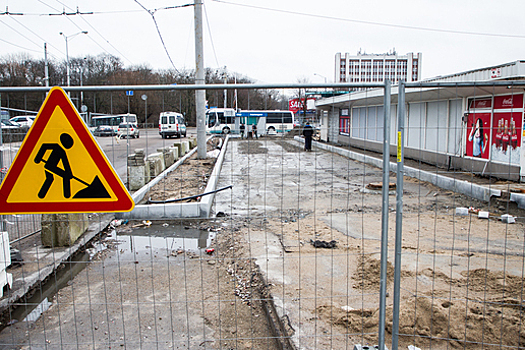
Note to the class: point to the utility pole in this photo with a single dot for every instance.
(225, 91)
(200, 95)
(46, 69)
(82, 82)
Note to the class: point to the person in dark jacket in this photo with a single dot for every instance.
(242, 131)
(308, 132)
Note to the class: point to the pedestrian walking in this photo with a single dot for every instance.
(308, 132)
(242, 127)
(254, 131)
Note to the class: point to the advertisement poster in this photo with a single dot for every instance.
(506, 137)
(506, 128)
(296, 105)
(478, 135)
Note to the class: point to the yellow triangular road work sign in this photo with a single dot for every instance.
(60, 167)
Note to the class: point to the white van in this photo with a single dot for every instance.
(172, 124)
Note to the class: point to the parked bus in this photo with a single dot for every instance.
(220, 120)
(271, 121)
(226, 120)
(113, 120)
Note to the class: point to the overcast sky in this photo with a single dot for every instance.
(272, 41)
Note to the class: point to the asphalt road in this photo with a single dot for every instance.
(117, 151)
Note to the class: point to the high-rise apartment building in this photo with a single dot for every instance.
(372, 68)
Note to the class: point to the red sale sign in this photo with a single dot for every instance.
(295, 104)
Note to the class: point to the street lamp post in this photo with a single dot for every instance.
(325, 89)
(322, 76)
(67, 52)
(82, 82)
(145, 98)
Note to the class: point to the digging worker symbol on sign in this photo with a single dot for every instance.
(58, 155)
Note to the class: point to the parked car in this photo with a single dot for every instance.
(104, 130)
(128, 130)
(172, 124)
(24, 120)
(7, 124)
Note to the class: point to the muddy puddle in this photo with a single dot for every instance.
(129, 242)
(161, 239)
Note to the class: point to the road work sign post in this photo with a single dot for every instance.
(60, 167)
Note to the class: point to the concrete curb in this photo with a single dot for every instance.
(206, 202)
(176, 210)
(470, 189)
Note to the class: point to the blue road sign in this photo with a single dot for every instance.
(129, 93)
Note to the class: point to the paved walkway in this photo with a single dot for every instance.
(480, 188)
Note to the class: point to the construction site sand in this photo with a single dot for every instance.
(461, 276)
(457, 297)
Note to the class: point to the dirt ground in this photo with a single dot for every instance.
(478, 304)
(461, 279)
(189, 179)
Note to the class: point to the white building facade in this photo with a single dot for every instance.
(372, 68)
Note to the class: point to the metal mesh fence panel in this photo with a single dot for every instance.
(298, 248)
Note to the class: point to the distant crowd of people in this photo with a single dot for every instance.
(308, 133)
(253, 133)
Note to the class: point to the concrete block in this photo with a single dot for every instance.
(461, 211)
(178, 146)
(62, 230)
(192, 142)
(508, 219)
(5, 260)
(159, 156)
(5, 278)
(136, 177)
(367, 347)
(5, 253)
(483, 214)
(185, 147)
(155, 167)
(175, 152)
(168, 157)
(147, 173)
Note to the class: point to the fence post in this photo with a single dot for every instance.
(384, 214)
(399, 211)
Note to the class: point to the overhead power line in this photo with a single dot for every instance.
(20, 47)
(6, 12)
(211, 38)
(77, 12)
(152, 14)
(64, 13)
(389, 25)
(35, 34)
(19, 33)
(89, 24)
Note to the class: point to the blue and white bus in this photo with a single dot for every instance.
(220, 121)
(227, 120)
(269, 122)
